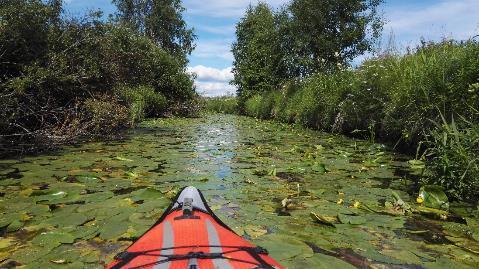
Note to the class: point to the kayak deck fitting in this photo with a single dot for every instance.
(190, 236)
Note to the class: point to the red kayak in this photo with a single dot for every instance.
(190, 236)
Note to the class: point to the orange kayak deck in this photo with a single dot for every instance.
(192, 239)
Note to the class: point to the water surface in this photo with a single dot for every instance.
(77, 207)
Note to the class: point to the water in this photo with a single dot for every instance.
(77, 207)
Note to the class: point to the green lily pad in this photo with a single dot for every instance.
(350, 219)
(320, 168)
(97, 197)
(321, 261)
(255, 231)
(113, 230)
(6, 219)
(147, 194)
(416, 164)
(51, 196)
(434, 197)
(277, 243)
(53, 239)
(29, 254)
(15, 226)
(65, 220)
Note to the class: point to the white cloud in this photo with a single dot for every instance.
(211, 89)
(212, 81)
(211, 74)
(456, 19)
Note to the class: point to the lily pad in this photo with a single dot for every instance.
(255, 231)
(73, 219)
(329, 221)
(113, 230)
(350, 219)
(85, 232)
(433, 196)
(97, 197)
(15, 226)
(147, 194)
(320, 168)
(416, 164)
(276, 244)
(53, 239)
(29, 254)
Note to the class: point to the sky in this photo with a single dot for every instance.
(214, 23)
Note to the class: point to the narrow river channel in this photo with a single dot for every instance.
(77, 207)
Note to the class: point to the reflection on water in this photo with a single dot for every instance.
(78, 207)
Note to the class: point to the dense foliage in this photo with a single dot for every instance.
(400, 100)
(161, 21)
(54, 69)
(257, 53)
(303, 38)
(222, 104)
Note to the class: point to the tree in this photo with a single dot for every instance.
(323, 35)
(256, 52)
(160, 20)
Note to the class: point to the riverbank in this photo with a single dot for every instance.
(65, 78)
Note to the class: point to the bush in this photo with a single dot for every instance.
(53, 65)
(104, 115)
(453, 159)
(143, 102)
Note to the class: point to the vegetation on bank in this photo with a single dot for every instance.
(424, 101)
(221, 104)
(62, 78)
(408, 101)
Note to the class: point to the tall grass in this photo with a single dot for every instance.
(143, 102)
(395, 98)
(453, 156)
(222, 104)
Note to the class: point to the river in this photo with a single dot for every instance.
(78, 206)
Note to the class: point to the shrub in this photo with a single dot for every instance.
(453, 159)
(104, 115)
(52, 65)
(143, 102)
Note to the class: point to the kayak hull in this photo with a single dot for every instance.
(192, 241)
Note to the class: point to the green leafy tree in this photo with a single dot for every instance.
(160, 20)
(257, 53)
(323, 35)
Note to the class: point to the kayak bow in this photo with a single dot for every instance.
(190, 236)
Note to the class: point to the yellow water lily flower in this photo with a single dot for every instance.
(340, 202)
(420, 198)
(356, 204)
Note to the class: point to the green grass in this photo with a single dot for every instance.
(223, 104)
(453, 155)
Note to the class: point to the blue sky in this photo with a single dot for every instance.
(214, 22)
